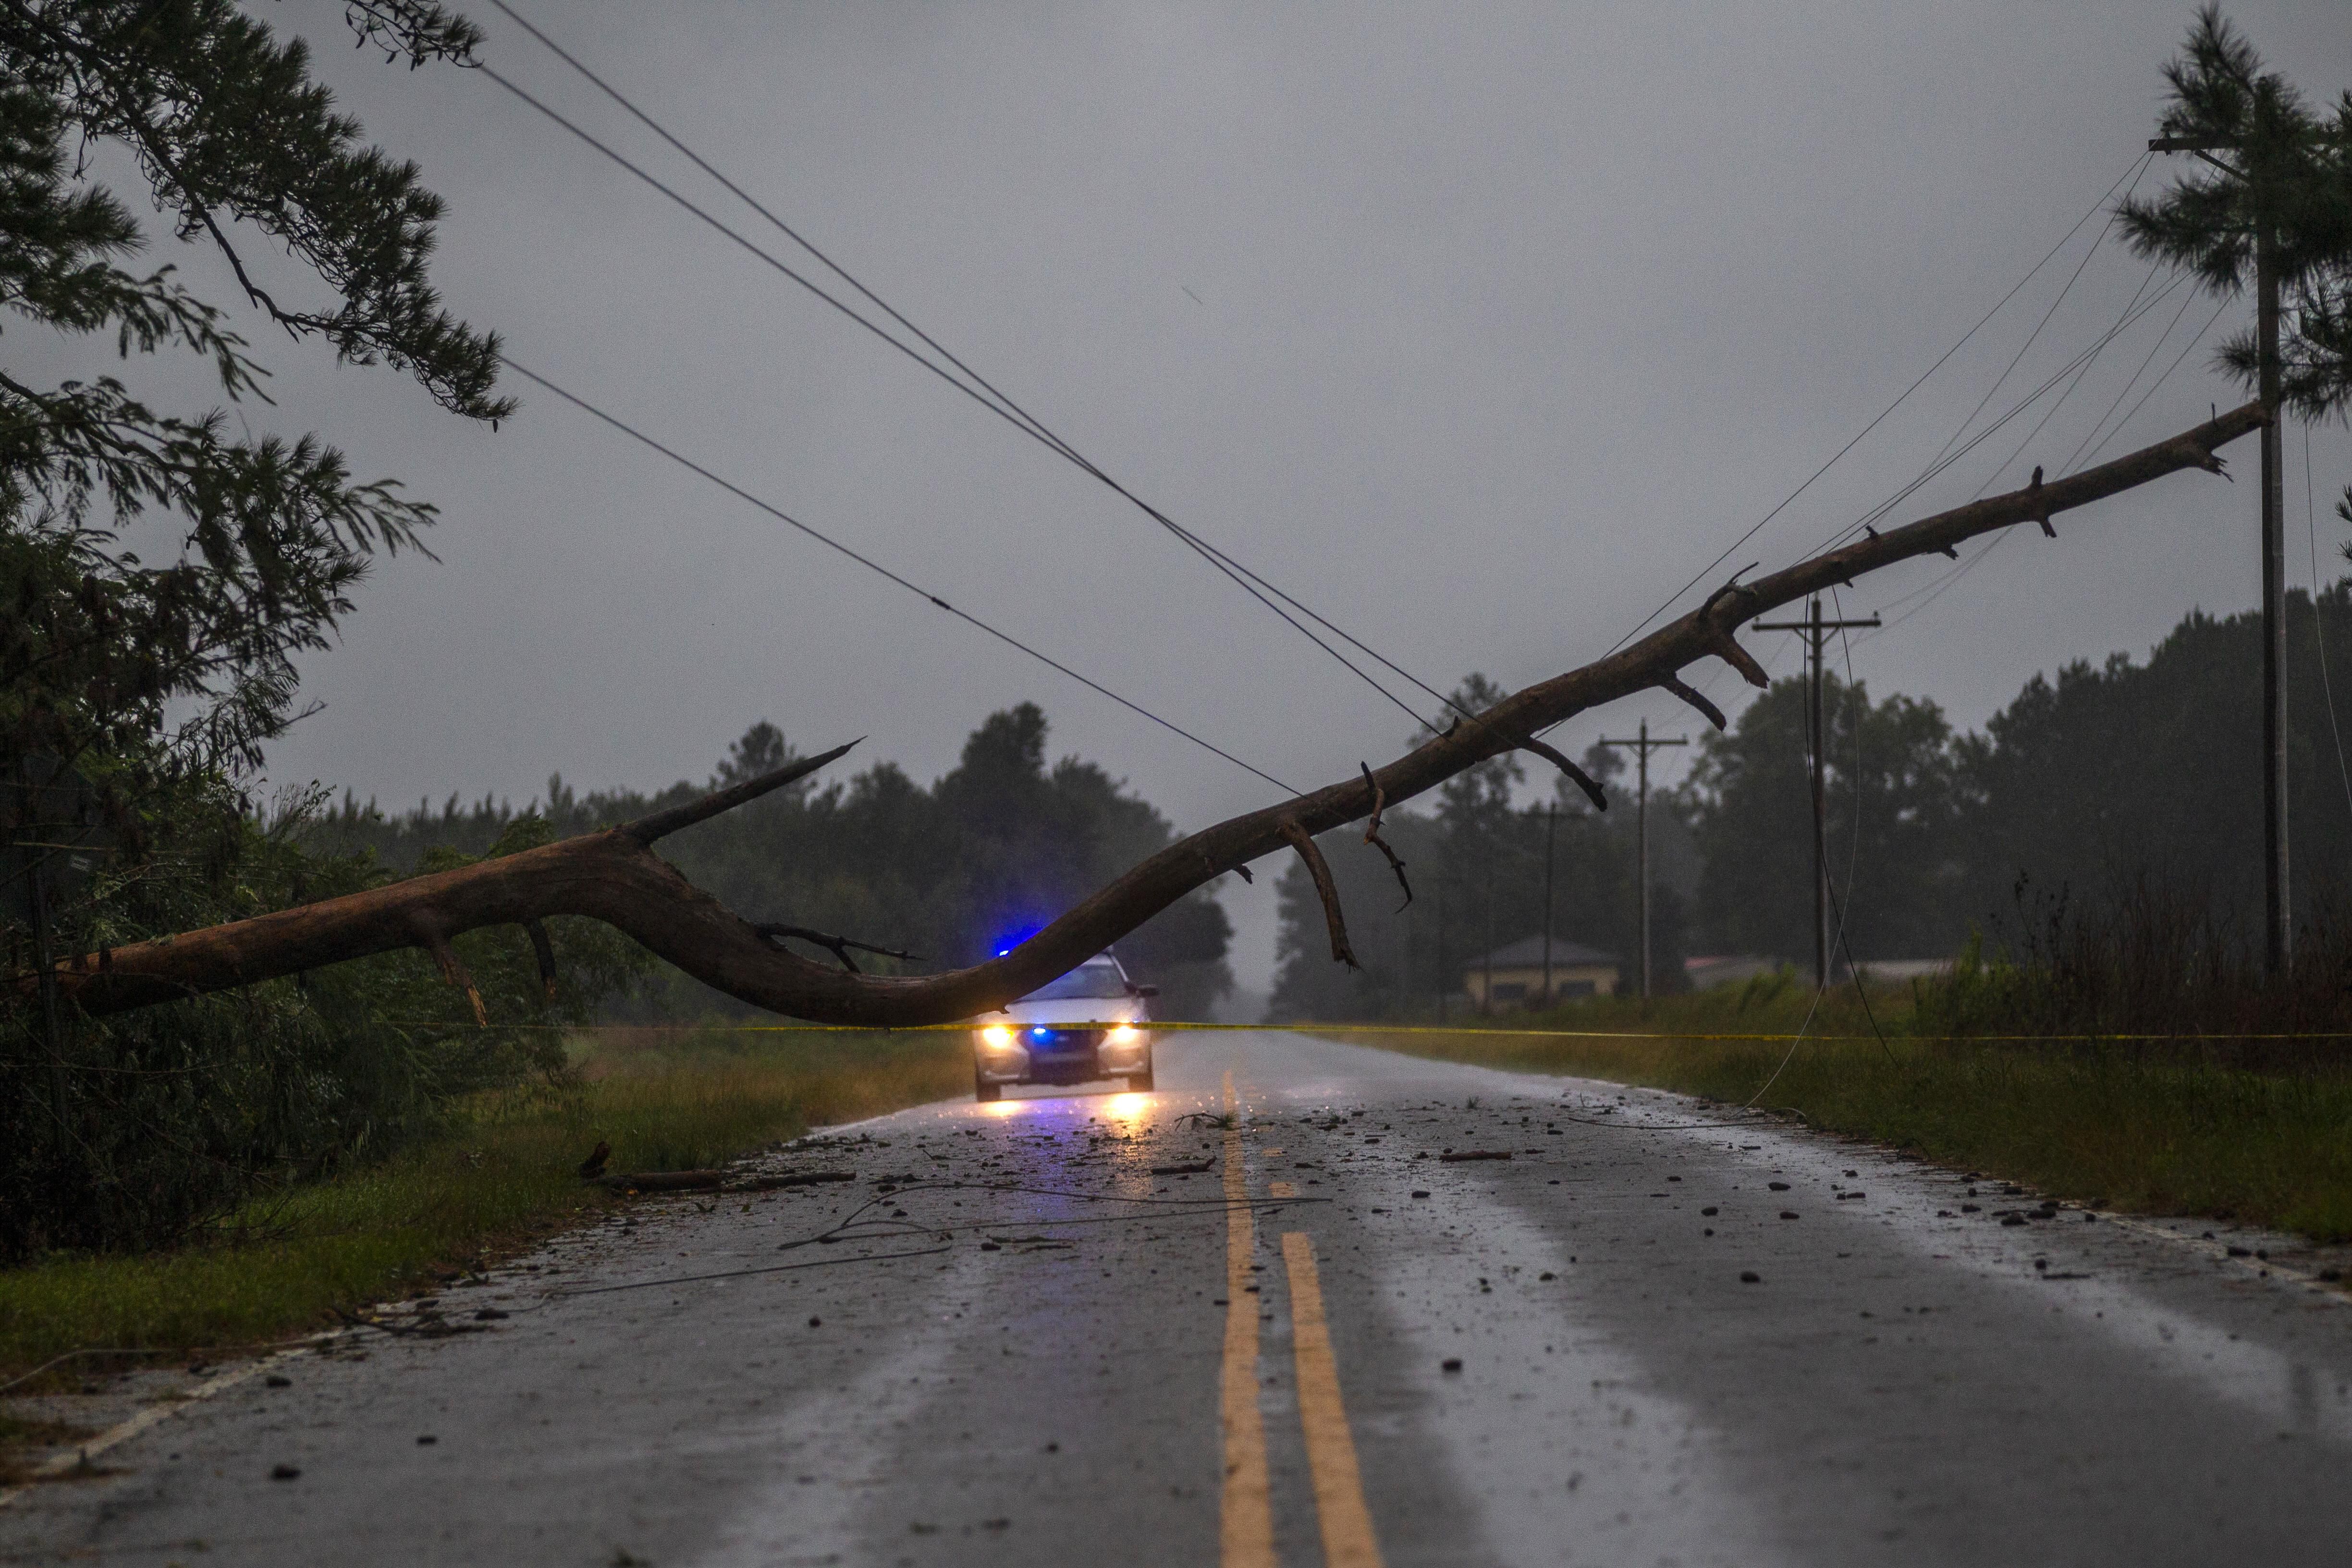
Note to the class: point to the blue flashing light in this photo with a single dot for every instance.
(1039, 1033)
(1014, 938)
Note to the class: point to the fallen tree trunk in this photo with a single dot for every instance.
(614, 875)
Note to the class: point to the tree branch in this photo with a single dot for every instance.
(662, 824)
(1695, 698)
(1582, 780)
(1372, 835)
(613, 877)
(542, 949)
(839, 945)
(1334, 919)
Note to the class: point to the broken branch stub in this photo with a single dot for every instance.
(612, 876)
(660, 825)
(1372, 835)
(453, 968)
(1695, 698)
(2040, 514)
(1582, 780)
(542, 949)
(1326, 890)
(839, 945)
(1724, 646)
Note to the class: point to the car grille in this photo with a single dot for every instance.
(1061, 1042)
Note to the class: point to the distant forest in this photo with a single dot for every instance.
(990, 851)
(2088, 781)
(2085, 783)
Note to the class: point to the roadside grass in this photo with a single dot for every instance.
(2154, 1128)
(502, 1177)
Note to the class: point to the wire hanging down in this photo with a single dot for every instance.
(963, 377)
(1929, 592)
(2134, 310)
(1708, 569)
(878, 569)
(1944, 458)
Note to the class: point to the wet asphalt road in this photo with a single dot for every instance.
(1374, 1355)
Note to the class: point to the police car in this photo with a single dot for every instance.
(1086, 1026)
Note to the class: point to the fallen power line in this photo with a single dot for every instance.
(877, 568)
(977, 386)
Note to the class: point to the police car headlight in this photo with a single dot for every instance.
(1123, 1034)
(998, 1036)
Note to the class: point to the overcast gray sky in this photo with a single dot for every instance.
(1479, 328)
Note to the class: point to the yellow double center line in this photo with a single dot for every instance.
(1247, 1523)
(1247, 1526)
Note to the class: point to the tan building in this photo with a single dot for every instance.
(1708, 972)
(1516, 974)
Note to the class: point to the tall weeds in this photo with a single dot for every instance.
(2159, 966)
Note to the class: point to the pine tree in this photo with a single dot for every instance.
(139, 683)
(140, 675)
(2270, 163)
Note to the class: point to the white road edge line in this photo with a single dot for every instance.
(153, 1415)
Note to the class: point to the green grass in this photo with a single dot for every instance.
(2146, 1128)
(502, 1177)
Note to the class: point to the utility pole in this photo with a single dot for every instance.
(1816, 632)
(1642, 747)
(1551, 820)
(2278, 927)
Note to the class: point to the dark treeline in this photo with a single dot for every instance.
(1476, 865)
(989, 852)
(2104, 779)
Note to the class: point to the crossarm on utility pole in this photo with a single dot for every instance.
(1642, 746)
(1816, 632)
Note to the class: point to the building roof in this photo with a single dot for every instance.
(1527, 953)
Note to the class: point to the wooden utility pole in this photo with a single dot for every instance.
(1642, 746)
(2278, 925)
(1816, 632)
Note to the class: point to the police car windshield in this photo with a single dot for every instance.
(1087, 981)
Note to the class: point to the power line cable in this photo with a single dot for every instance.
(2076, 368)
(2081, 369)
(1945, 459)
(2129, 318)
(847, 311)
(2075, 456)
(1935, 588)
(2159, 382)
(877, 567)
(977, 388)
(2080, 363)
(2133, 311)
(1029, 422)
(1861, 710)
(1703, 573)
(1998, 380)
